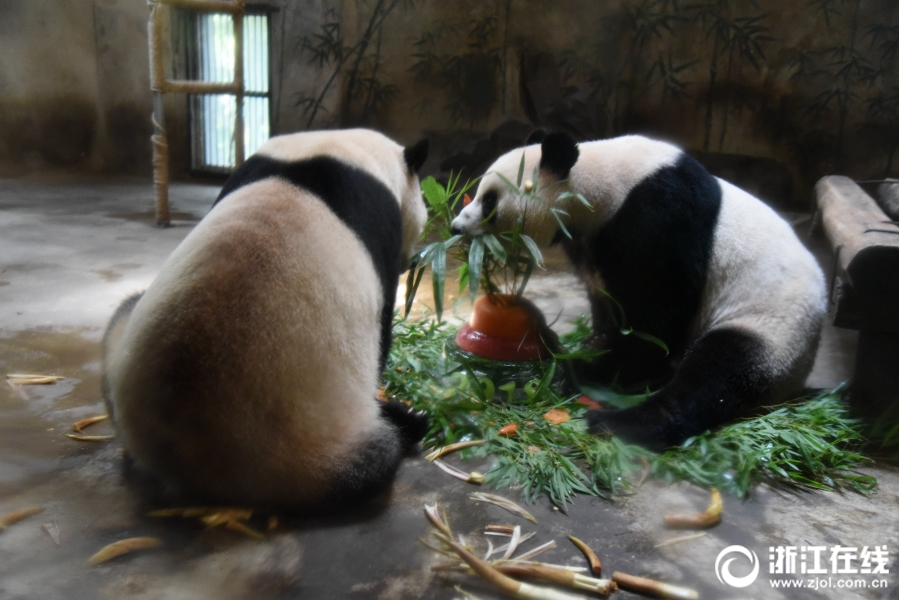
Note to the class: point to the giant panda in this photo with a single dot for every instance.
(698, 263)
(248, 372)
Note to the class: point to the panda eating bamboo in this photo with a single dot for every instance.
(691, 259)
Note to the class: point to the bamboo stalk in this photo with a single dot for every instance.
(651, 586)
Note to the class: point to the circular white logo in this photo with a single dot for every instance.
(723, 570)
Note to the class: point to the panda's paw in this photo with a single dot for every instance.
(412, 424)
(632, 427)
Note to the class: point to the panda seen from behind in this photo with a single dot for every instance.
(248, 371)
(690, 259)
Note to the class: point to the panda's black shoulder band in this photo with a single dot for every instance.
(558, 154)
(416, 155)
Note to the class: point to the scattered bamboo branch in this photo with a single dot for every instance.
(513, 544)
(434, 518)
(499, 530)
(559, 576)
(90, 438)
(232, 518)
(538, 550)
(18, 515)
(681, 539)
(123, 547)
(589, 554)
(79, 425)
(520, 562)
(516, 589)
(711, 516)
(506, 546)
(650, 586)
(473, 477)
(503, 503)
(453, 448)
(27, 379)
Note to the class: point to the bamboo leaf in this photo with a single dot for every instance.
(520, 172)
(495, 247)
(533, 249)
(413, 280)
(556, 212)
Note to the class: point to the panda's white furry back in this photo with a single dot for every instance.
(692, 260)
(248, 371)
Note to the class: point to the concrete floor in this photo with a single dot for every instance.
(71, 250)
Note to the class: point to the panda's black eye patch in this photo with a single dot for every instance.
(488, 206)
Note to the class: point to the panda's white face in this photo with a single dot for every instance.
(498, 205)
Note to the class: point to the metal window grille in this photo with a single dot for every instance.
(212, 115)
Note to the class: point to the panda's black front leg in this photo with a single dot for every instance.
(722, 375)
(412, 424)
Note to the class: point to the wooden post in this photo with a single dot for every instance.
(159, 140)
(160, 86)
(238, 83)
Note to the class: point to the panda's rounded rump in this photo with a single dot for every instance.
(267, 318)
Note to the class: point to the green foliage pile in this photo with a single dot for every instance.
(810, 443)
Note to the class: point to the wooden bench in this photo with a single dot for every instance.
(865, 290)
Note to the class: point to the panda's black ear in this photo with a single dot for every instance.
(536, 136)
(416, 155)
(558, 154)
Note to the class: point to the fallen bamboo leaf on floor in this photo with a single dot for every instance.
(79, 425)
(653, 587)
(473, 477)
(711, 516)
(510, 506)
(17, 515)
(27, 379)
(589, 554)
(681, 539)
(453, 448)
(123, 547)
(90, 438)
(52, 530)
